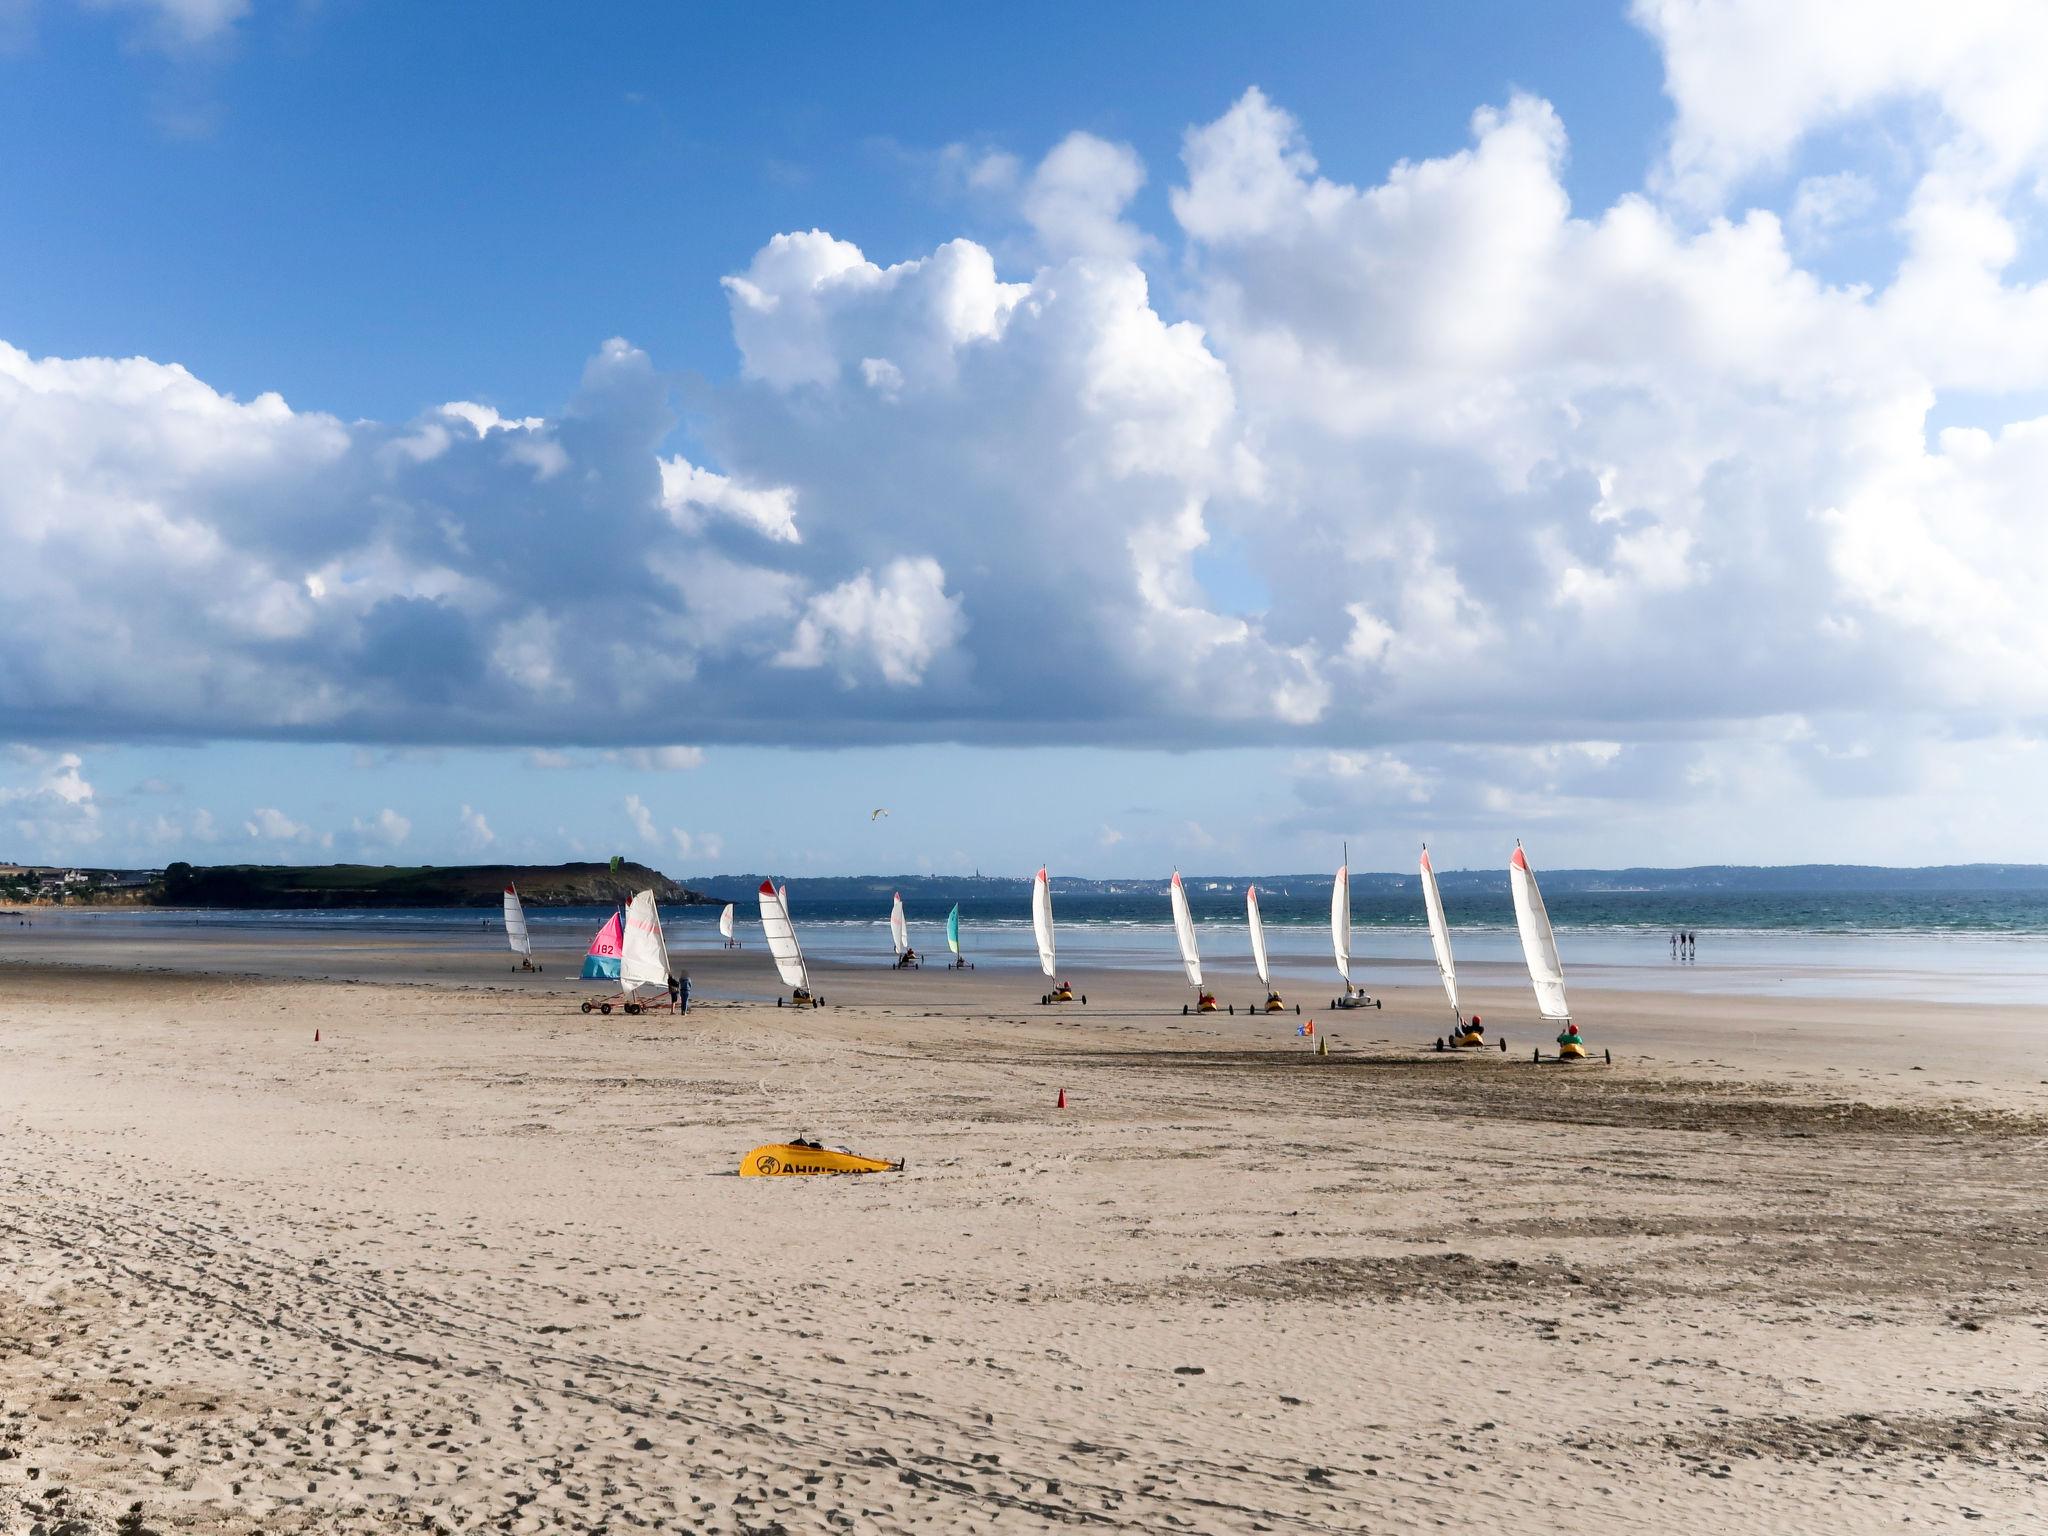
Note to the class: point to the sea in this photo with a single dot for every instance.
(1931, 946)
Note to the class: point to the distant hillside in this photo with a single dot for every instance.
(1724, 878)
(371, 885)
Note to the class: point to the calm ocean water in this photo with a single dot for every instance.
(1990, 946)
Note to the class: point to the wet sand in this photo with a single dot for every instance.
(477, 1261)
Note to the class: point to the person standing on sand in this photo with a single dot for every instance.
(1674, 946)
(684, 994)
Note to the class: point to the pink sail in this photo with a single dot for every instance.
(601, 963)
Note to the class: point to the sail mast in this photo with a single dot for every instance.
(644, 959)
(1184, 932)
(1258, 929)
(1041, 920)
(515, 924)
(1340, 917)
(781, 935)
(1439, 933)
(1539, 942)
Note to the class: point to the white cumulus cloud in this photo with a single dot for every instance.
(891, 627)
(387, 828)
(476, 830)
(1415, 473)
(642, 819)
(267, 824)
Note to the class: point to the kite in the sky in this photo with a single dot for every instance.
(877, 814)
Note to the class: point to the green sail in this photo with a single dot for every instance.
(953, 929)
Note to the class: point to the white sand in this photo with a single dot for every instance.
(477, 1262)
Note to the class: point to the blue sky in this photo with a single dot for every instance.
(373, 208)
(1123, 436)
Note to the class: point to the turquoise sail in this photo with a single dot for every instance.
(953, 929)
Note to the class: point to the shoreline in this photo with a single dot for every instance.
(1863, 971)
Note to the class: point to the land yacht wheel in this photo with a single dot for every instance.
(586, 1005)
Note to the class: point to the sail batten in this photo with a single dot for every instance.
(1257, 925)
(1184, 933)
(1539, 943)
(515, 924)
(1041, 919)
(781, 935)
(643, 961)
(1340, 918)
(1439, 931)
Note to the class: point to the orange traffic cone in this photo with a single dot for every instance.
(1063, 1100)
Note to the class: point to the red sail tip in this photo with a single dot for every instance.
(1425, 858)
(767, 887)
(1518, 861)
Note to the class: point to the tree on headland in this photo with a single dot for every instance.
(617, 860)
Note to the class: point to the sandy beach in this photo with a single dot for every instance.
(476, 1261)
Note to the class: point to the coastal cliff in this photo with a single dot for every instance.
(369, 885)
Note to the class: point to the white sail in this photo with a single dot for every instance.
(1539, 944)
(899, 931)
(1041, 919)
(643, 961)
(781, 936)
(1439, 931)
(1340, 919)
(725, 922)
(515, 924)
(1184, 932)
(1258, 928)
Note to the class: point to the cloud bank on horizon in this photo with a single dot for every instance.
(1381, 473)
